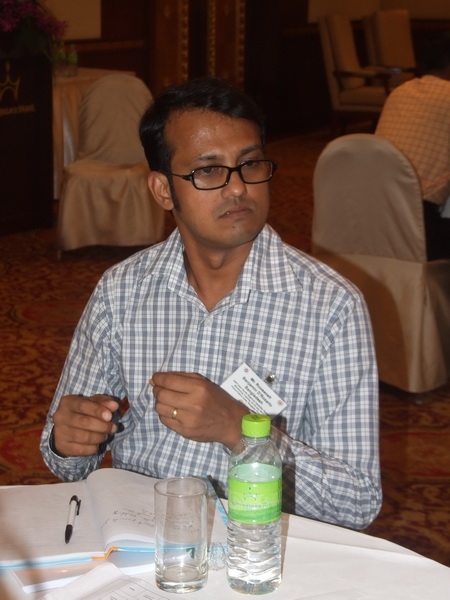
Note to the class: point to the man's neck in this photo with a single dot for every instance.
(213, 275)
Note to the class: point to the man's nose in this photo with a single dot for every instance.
(235, 186)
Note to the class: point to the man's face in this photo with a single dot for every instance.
(226, 217)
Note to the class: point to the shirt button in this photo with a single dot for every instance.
(208, 321)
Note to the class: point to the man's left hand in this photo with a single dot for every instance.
(197, 409)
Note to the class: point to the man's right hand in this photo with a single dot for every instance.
(82, 423)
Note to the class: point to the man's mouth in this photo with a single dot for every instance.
(236, 211)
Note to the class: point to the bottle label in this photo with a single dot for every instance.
(254, 502)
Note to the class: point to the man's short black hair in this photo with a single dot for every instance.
(208, 93)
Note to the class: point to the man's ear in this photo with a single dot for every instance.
(160, 189)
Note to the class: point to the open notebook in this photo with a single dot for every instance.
(116, 514)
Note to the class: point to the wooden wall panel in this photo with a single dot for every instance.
(226, 39)
(266, 46)
(124, 39)
(169, 43)
(26, 191)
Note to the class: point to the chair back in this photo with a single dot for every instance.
(343, 48)
(109, 117)
(105, 198)
(389, 38)
(367, 200)
(368, 226)
(329, 63)
(349, 92)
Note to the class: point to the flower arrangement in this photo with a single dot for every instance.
(31, 24)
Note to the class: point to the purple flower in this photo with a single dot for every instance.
(29, 15)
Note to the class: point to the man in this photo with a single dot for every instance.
(222, 302)
(416, 119)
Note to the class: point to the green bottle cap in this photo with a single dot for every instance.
(256, 426)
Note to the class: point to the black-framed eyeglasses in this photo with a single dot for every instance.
(213, 177)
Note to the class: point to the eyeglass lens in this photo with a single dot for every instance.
(252, 171)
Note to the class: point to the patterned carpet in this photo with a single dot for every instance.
(41, 299)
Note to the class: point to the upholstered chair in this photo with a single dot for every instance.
(368, 225)
(105, 199)
(353, 89)
(389, 42)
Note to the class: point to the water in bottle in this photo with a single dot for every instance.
(72, 61)
(254, 510)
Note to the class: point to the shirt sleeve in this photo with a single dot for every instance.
(90, 368)
(334, 475)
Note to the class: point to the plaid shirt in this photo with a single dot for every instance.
(288, 315)
(416, 119)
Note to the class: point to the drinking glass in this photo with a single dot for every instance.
(181, 559)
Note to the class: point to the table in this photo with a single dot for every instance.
(326, 562)
(67, 95)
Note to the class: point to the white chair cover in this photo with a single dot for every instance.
(368, 225)
(105, 199)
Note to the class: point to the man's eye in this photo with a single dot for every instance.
(250, 164)
(208, 171)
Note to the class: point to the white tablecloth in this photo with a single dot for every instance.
(325, 562)
(67, 95)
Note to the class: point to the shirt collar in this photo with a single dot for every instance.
(266, 269)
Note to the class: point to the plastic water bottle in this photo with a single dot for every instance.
(72, 61)
(59, 59)
(254, 510)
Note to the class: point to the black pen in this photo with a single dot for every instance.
(120, 427)
(74, 510)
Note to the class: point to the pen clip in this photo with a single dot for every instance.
(78, 502)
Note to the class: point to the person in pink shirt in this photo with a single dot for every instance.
(416, 119)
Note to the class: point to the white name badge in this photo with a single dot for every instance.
(245, 385)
